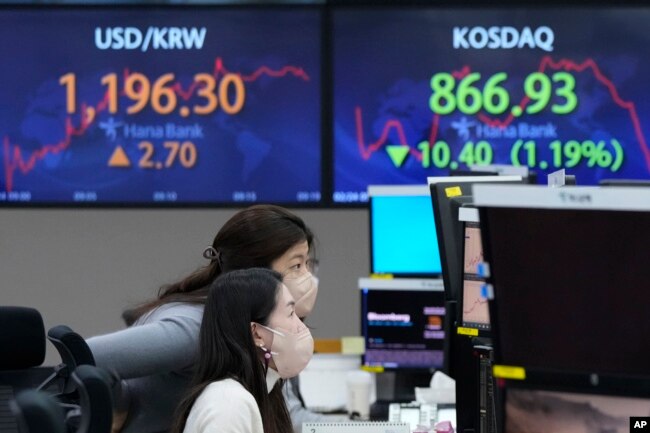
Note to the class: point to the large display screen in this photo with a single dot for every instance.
(167, 105)
(421, 91)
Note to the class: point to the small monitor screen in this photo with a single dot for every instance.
(476, 313)
(403, 328)
(534, 411)
(403, 234)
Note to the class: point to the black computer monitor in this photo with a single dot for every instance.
(403, 238)
(402, 323)
(569, 272)
(449, 231)
(537, 410)
(473, 305)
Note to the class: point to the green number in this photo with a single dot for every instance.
(467, 154)
(467, 92)
(442, 101)
(556, 147)
(530, 150)
(493, 90)
(541, 96)
(424, 147)
(441, 154)
(573, 151)
(566, 92)
(483, 153)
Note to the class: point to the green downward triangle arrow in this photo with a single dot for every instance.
(398, 154)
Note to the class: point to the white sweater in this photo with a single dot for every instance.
(226, 406)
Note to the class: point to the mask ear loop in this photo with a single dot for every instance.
(267, 358)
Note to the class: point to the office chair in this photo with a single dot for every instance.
(73, 351)
(96, 404)
(22, 338)
(22, 351)
(37, 412)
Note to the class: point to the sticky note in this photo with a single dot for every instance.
(509, 372)
(453, 191)
(353, 345)
(467, 331)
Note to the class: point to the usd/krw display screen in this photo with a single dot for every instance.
(418, 92)
(167, 105)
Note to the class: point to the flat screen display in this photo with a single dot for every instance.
(403, 235)
(534, 411)
(569, 288)
(174, 106)
(475, 311)
(422, 91)
(403, 328)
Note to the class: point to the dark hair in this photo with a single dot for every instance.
(226, 345)
(253, 237)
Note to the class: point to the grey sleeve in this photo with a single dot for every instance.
(300, 414)
(168, 344)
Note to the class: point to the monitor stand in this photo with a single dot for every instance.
(397, 386)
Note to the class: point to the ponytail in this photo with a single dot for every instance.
(253, 237)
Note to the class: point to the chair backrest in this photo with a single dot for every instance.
(95, 399)
(71, 346)
(38, 412)
(22, 338)
(73, 351)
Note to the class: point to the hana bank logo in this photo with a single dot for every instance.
(505, 38)
(155, 38)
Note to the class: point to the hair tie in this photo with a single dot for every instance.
(211, 253)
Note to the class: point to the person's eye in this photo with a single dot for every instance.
(292, 312)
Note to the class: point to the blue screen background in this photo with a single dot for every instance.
(404, 239)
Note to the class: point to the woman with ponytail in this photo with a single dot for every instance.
(156, 355)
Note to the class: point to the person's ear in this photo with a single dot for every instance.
(257, 337)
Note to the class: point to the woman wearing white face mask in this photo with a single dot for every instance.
(250, 340)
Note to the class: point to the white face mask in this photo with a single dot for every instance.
(291, 352)
(304, 290)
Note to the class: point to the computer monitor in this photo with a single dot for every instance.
(403, 239)
(442, 191)
(402, 323)
(474, 311)
(534, 410)
(569, 272)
